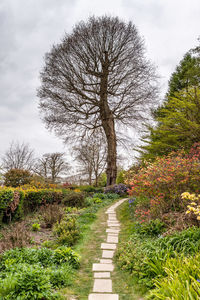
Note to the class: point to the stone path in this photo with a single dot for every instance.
(102, 289)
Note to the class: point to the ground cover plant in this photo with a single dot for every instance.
(35, 273)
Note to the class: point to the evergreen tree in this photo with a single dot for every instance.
(179, 125)
(178, 119)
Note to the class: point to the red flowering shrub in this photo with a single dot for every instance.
(163, 181)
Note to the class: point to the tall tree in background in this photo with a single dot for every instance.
(91, 154)
(97, 77)
(18, 156)
(178, 119)
(51, 166)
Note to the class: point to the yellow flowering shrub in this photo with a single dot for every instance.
(194, 206)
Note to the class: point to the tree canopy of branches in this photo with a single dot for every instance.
(51, 166)
(91, 154)
(18, 156)
(97, 76)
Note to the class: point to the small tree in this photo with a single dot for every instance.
(18, 156)
(51, 166)
(17, 177)
(97, 77)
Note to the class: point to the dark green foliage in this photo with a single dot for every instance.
(145, 258)
(67, 231)
(182, 280)
(30, 283)
(151, 228)
(187, 74)
(61, 277)
(34, 199)
(17, 177)
(178, 118)
(74, 199)
(66, 255)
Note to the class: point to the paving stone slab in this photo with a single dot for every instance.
(109, 230)
(113, 224)
(108, 246)
(105, 261)
(113, 234)
(102, 275)
(102, 286)
(103, 297)
(112, 239)
(108, 254)
(102, 267)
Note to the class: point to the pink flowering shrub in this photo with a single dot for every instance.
(164, 180)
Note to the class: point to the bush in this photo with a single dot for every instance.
(74, 199)
(61, 277)
(151, 228)
(51, 214)
(66, 255)
(17, 177)
(11, 202)
(35, 198)
(67, 231)
(120, 189)
(17, 236)
(164, 180)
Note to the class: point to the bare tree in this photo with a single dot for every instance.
(51, 166)
(97, 77)
(18, 156)
(91, 154)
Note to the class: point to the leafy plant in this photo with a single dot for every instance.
(67, 231)
(151, 228)
(66, 255)
(73, 199)
(182, 279)
(36, 227)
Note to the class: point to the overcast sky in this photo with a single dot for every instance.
(28, 28)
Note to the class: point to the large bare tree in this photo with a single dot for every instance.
(97, 76)
(18, 156)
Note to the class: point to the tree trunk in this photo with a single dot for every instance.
(111, 170)
(108, 125)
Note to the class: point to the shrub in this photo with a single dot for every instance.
(16, 236)
(163, 181)
(61, 277)
(151, 228)
(73, 199)
(66, 255)
(51, 214)
(120, 189)
(67, 231)
(35, 198)
(17, 177)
